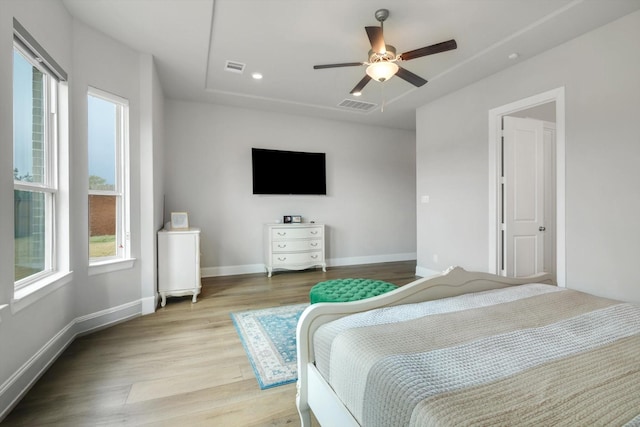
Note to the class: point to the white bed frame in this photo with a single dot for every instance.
(314, 394)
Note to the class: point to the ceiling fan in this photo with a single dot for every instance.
(383, 61)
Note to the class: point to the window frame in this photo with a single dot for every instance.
(49, 186)
(122, 259)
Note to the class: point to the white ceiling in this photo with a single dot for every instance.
(192, 39)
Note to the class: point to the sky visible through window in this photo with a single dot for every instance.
(22, 116)
(101, 127)
(102, 139)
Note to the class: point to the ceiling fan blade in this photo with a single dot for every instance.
(361, 84)
(410, 77)
(376, 39)
(430, 50)
(344, 64)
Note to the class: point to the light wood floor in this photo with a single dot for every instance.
(183, 365)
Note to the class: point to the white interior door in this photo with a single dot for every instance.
(523, 197)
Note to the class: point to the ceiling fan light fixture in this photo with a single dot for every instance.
(382, 71)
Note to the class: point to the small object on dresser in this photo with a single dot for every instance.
(179, 220)
(287, 219)
(296, 218)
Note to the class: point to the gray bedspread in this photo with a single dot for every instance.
(525, 355)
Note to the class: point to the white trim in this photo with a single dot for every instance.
(371, 259)
(36, 49)
(149, 304)
(110, 316)
(27, 295)
(113, 264)
(2, 307)
(334, 262)
(554, 95)
(122, 174)
(107, 96)
(426, 272)
(232, 270)
(19, 383)
(48, 186)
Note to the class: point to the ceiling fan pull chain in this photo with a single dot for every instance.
(382, 95)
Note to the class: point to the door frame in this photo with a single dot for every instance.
(495, 162)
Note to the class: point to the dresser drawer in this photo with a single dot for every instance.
(296, 245)
(296, 233)
(293, 259)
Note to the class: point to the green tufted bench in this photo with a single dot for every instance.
(344, 290)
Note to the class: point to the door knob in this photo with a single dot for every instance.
(541, 228)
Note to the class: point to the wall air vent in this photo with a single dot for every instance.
(234, 66)
(357, 105)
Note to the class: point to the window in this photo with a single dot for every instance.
(34, 167)
(108, 177)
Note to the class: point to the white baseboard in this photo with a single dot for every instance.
(332, 262)
(426, 272)
(149, 304)
(18, 384)
(232, 270)
(108, 317)
(371, 259)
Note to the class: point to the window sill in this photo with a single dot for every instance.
(29, 294)
(102, 267)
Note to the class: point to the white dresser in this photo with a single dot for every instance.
(178, 263)
(294, 246)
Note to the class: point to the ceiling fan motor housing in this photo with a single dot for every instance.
(389, 55)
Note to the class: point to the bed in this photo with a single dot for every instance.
(466, 348)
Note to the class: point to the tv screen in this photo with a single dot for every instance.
(288, 172)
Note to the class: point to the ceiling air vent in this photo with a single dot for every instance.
(357, 105)
(234, 66)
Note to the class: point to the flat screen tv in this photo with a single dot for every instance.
(288, 172)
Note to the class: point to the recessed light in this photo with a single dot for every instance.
(514, 55)
(256, 76)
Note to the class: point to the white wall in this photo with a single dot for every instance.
(32, 334)
(24, 333)
(105, 64)
(599, 71)
(369, 209)
(151, 178)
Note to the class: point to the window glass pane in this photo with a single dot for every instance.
(28, 121)
(29, 231)
(102, 226)
(102, 144)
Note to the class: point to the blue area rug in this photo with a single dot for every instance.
(269, 338)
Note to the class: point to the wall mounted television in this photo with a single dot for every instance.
(288, 172)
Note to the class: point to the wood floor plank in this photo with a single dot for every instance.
(184, 364)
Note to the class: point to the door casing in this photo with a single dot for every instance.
(495, 162)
